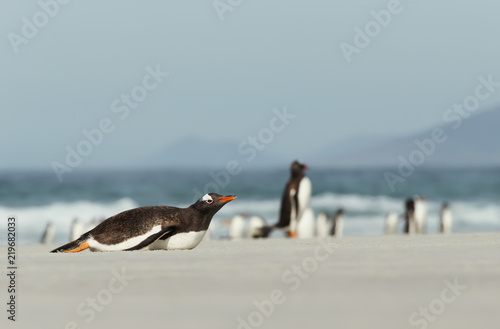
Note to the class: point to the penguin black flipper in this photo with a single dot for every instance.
(285, 209)
(164, 234)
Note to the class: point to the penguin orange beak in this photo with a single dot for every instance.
(228, 198)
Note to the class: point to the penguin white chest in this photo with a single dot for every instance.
(187, 240)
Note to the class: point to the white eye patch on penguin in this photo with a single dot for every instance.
(207, 198)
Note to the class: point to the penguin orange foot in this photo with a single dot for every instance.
(81, 247)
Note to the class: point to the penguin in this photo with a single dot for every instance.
(295, 199)
(337, 229)
(323, 225)
(77, 229)
(152, 228)
(49, 233)
(237, 227)
(306, 225)
(446, 219)
(391, 223)
(254, 227)
(410, 226)
(420, 214)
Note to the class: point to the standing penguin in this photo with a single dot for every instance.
(391, 223)
(237, 227)
(420, 214)
(295, 198)
(410, 226)
(338, 224)
(323, 225)
(77, 229)
(49, 233)
(254, 227)
(446, 219)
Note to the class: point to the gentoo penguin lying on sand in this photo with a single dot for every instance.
(158, 227)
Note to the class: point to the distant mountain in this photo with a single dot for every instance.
(470, 142)
(345, 146)
(467, 142)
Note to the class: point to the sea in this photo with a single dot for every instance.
(36, 198)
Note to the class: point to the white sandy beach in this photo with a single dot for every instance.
(356, 282)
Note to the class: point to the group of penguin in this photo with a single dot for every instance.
(415, 218)
(296, 218)
(76, 230)
(163, 227)
(167, 228)
(245, 226)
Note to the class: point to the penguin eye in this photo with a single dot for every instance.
(209, 201)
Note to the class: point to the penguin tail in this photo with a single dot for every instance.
(78, 245)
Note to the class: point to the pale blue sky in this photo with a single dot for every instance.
(227, 76)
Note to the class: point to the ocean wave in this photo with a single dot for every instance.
(356, 202)
(365, 214)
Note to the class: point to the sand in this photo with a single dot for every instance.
(355, 282)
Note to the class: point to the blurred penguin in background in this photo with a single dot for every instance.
(237, 227)
(49, 233)
(337, 229)
(244, 226)
(295, 200)
(323, 225)
(410, 226)
(77, 229)
(255, 227)
(446, 219)
(420, 214)
(391, 223)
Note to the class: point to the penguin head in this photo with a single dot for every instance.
(410, 204)
(210, 203)
(298, 168)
